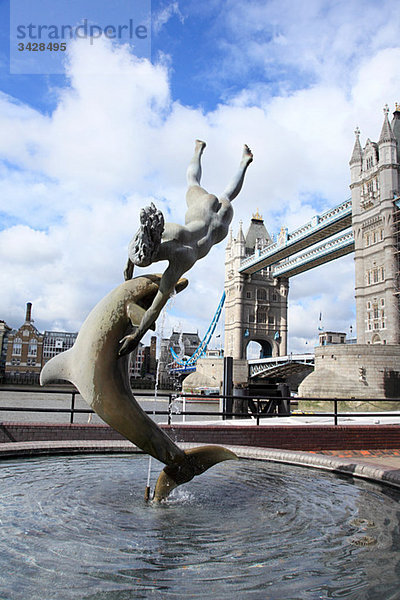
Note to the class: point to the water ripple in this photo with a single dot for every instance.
(78, 527)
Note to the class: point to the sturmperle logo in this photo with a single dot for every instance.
(41, 31)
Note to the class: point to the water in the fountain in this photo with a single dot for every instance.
(78, 527)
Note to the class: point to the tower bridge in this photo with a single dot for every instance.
(258, 269)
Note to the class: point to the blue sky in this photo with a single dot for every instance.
(83, 151)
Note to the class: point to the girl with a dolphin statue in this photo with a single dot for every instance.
(98, 362)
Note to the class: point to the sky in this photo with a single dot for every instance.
(81, 151)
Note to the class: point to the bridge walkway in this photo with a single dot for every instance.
(321, 227)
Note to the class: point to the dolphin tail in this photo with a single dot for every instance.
(197, 460)
(58, 367)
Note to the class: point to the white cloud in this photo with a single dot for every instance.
(72, 183)
(303, 43)
(161, 18)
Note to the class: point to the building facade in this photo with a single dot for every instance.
(375, 217)
(24, 352)
(137, 362)
(184, 344)
(5, 330)
(55, 342)
(150, 359)
(255, 305)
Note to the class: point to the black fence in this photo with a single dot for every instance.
(257, 408)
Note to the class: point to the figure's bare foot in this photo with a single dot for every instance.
(247, 156)
(199, 146)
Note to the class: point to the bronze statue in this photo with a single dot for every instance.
(207, 222)
(97, 364)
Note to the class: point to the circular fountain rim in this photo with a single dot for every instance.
(352, 467)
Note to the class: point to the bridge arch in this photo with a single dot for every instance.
(265, 348)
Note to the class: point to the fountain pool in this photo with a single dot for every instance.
(77, 527)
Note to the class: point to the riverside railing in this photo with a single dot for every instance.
(259, 406)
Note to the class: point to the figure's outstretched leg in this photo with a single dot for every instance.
(193, 174)
(236, 184)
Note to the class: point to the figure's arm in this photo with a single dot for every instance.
(167, 286)
(128, 272)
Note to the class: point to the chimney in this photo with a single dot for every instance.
(28, 312)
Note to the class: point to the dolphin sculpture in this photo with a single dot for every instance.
(94, 366)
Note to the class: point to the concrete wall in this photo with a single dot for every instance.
(354, 371)
(213, 368)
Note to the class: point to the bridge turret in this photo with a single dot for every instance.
(373, 188)
(256, 305)
(387, 142)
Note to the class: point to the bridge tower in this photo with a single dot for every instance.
(256, 304)
(374, 187)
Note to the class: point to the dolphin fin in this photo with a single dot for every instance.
(197, 461)
(58, 367)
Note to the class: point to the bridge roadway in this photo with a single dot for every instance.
(280, 366)
(321, 227)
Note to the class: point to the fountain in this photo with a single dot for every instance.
(77, 527)
(98, 362)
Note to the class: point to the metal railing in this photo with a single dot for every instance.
(258, 407)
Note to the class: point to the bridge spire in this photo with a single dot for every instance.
(386, 133)
(240, 237)
(356, 157)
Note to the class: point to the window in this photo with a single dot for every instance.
(17, 347)
(261, 317)
(248, 294)
(270, 320)
(375, 275)
(261, 294)
(32, 348)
